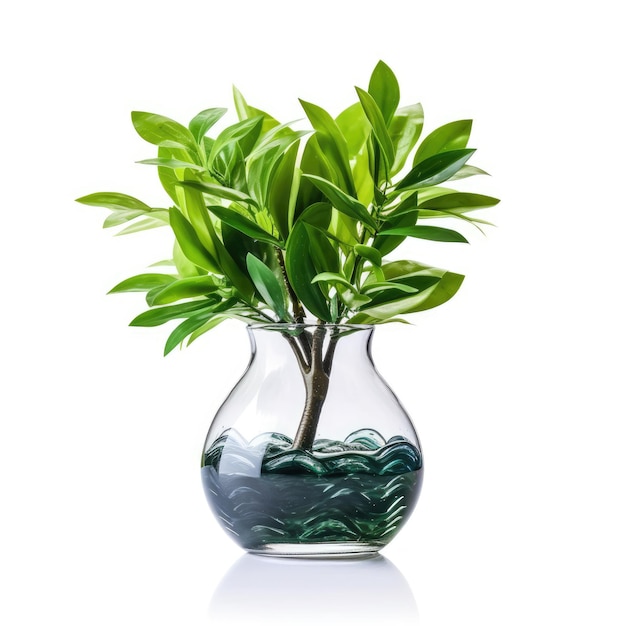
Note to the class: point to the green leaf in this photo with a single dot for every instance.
(469, 170)
(163, 131)
(405, 214)
(448, 283)
(387, 243)
(184, 267)
(301, 270)
(191, 287)
(404, 131)
(114, 201)
(143, 282)
(460, 215)
(408, 205)
(245, 111)
(438, 294)
(419, 281)
(432, 233)
(239, 245)
(346, 291)
(400, 288)
(384, 89)
(342, 201)
(401, 269)
(189, 242)
(363, 181)
(352, 300)
(322, 250)
(243, 224)
(374, 287)
(192, 204)
(318, 214)
(435, 169)
(313, 161)
(371, 254)
(259, 170)
(332, 143)
(201, 322)
(282, 136)
(202, 122)
(211, 323)
(196, 210)
(161, 315)
(282, 189)
(355, 127)
(452, 136)
(245, 133)
(171, 163)
(268, 286)
(185, 329)
(230, 166)
(273, 166)
(334, 278)
(459, 202)
(219, 191)
(157, 219)
(379, 127)
(121, 217)
(167, 176)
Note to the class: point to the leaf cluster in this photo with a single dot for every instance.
(271, 223)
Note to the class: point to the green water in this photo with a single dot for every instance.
(359, 491)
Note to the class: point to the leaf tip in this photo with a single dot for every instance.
(168, 348)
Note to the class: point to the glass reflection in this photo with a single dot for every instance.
(265, 590)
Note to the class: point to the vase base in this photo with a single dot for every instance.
(334, 550)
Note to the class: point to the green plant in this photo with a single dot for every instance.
(275, 224)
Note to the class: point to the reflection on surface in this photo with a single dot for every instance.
(264, 590)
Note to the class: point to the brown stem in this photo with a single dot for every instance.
(330, 351)
(316, 379)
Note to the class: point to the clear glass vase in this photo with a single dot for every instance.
(312, 454)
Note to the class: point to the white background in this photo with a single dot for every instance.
(516, 386)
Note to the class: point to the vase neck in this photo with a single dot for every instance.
(311, 344)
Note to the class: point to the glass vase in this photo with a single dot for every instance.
(312, 454)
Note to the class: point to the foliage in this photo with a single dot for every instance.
(271, 223)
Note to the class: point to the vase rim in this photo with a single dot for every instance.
(282, 326)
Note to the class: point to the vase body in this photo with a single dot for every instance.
(311, 454)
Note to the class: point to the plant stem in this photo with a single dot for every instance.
(261, 313)
(298, 311)
(364, 238)
(316, 381)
